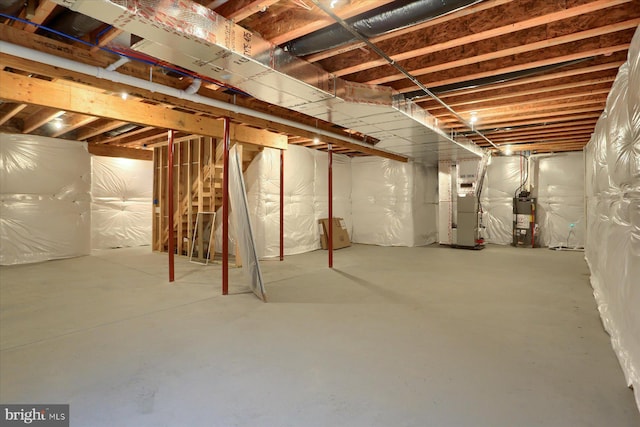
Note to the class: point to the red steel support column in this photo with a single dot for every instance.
(281, 205)
(225, 209)
(330, 237)
(170, 226)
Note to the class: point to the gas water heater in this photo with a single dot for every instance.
(525, 229)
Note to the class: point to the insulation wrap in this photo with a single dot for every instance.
(613, 215)
(45, 199)
(121, 210)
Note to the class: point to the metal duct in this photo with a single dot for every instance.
(11, 7)
(74, 24)
(393, 16)
(500, 78)
(194, 37)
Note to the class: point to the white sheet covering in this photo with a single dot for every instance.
(560, 199)
(393, 203)
(121, 209)
(45, 192)
(263, 193)
(503, 177)
(613, 215)
(400, 198)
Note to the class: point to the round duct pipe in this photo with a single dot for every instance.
(11, 7)
(393, 16)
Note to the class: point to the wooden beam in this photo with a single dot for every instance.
(39, 118)
(240, 9)
(114, 151)
(59, 96)
(542, 120)
(414, 46)
(501, 53)
(515, 93)
(608, 66)
(132, 68)
(524, 66)
(484, 109)
(127, 137)
(11, 113)
(105, 126)
(555, 147)
(487, 4)
(41, 14)
(541, 117)
(299, 22)
(106, 38)
(74, 122)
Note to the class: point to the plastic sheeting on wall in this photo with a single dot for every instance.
(263, 194)
(342, 185)
(613, 215)
(560, 199)
(121, 206)
(393, 203)
(504, 176)
(45, 191)
(409, 188)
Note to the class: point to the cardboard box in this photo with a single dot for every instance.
(340, 234)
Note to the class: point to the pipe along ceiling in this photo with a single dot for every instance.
(393, 16)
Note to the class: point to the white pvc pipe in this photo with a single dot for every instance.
(116, 77)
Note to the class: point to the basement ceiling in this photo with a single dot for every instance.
(530, 74)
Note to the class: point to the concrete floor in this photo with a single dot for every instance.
(426, 336)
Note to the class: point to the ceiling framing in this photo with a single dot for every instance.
(534, 75)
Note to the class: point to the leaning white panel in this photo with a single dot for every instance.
(45, 191)
(244, 230)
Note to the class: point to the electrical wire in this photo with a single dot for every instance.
(129, 55)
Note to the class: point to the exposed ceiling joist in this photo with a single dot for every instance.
(57, 95)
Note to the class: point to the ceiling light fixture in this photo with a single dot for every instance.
(57, 123)
(124, 96)
(507, 150)
(474, 118)
(333, 3)
(316, 140)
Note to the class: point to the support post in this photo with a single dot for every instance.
(281, 205)
(170, 224)
(225, 208)
(330, 237)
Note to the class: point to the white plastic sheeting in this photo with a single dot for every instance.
(560, 199)
(45, 192)
(263, 193)
(121, 207)
(504, 176)
(613, 215)
(240, 213)
(393, 203)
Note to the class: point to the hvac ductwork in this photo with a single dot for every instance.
(74, 24)
(194, 37)
(393, 16)
(11, 7)
(499, 78)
